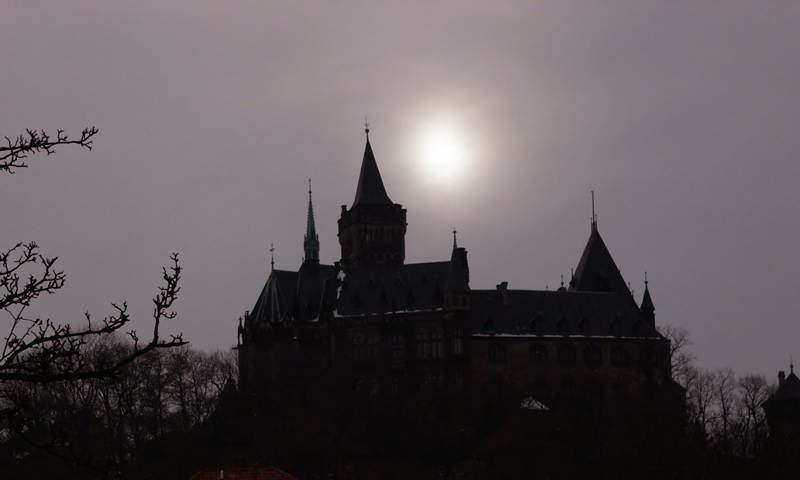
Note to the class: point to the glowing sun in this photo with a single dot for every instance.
(444, 154)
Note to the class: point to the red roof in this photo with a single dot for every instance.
(242, 473)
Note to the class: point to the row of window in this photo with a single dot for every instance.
(565, 355)
(429, 382)
(427, 344)
(563, 325)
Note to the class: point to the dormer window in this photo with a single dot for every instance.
(563, 326)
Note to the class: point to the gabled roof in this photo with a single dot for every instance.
(597, 271)
(788, 391)
(370, 189)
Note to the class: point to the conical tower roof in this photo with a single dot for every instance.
(370, 185)
(647, 302)
(597, 271)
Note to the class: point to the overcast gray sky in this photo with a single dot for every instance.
(683, 117)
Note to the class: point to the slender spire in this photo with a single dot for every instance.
(594, 217)
(311, 240)
(366, 127)
(455, 243)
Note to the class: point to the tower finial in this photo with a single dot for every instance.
(272, 255)
(791, 364)
(645, 279)
(366, 126)
(309, 188)
(594, 217)
(455, 243)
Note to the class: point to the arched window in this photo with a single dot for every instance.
(537, 354)
(567, 355)
(619, 357)
(498, 353)
(592, 356)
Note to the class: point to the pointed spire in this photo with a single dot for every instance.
(311, 240)
(455, 242)
(370, 189)
(647, 302)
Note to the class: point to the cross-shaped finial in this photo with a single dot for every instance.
(272, 254)
(366, 126)
(455, 243)
(645, 279)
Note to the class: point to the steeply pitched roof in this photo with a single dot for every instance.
(790, 390)
(273, 302)
(458, 273)
(396, 288)
(370, 186)
(597, 271)
(548, 313)
(647, 302)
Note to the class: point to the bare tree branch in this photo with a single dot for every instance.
(40, 350)
(13, 152)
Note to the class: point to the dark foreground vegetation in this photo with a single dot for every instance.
(95, 428)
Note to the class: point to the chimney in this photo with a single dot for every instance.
(781, 378)
(503, 290)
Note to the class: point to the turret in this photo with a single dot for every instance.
(456, 287)
(372, 232)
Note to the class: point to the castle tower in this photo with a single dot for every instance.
(372, 232)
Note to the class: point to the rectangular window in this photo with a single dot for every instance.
(437, 344)
(458, 348)
(397, 346)
(423, 347)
